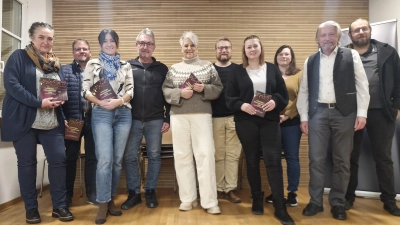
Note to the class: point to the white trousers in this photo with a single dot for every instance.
(192, 135)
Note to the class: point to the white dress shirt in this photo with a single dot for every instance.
(326, 87)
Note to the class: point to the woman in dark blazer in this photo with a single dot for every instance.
(256, 132)
(29, 119)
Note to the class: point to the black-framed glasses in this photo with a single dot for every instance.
(221, 48)
(144, 44)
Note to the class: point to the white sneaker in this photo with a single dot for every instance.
(214, 210)
(186, 206)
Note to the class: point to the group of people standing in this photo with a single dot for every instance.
(211, 121)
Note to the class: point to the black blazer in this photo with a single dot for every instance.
(239, 90)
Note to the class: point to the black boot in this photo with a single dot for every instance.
(281, 213)
(133, 199)
(258, 204)
(151, 199)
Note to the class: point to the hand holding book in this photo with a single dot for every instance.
(261, 103)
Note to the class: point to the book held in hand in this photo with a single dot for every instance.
(102, 90)
(74, 130)
(258, 101)
(52, 88)
(192, 79)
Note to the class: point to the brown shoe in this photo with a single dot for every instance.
(220, 194)
(102, 214)
(112, 209)
(232, 197)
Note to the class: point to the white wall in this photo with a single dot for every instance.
(9, 187)
(381, 10)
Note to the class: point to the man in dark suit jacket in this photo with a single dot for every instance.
(382, 66)
(332, 103)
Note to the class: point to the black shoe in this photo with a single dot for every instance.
(257, 207)
(269, 199)
(283, 217)
(151, 200)
(63, 214)
(348, 204)
(32, 216)
(92, 200)
(392, 208)
(338, 212)
(133, 199)
(312, 209)
(291, 199)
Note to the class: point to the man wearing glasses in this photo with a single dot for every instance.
(382, 66)
(78, 108)
(227, 144)
(150, 118)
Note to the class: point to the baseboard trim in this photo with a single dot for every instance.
(365, 194)
(14, 201)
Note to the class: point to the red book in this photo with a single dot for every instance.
(52, 88)
(102, 90)
(192, 79)
(258, 101)
(74, 130)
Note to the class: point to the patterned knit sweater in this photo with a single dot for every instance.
(199, 102)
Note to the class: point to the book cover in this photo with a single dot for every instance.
(258, 101)
(52, 88)
(74, 130)
(190, 81)
(102, 90)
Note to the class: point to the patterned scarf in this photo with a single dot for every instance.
(47, 64)
(111, 64)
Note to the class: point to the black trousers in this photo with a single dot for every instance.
(72, 149)
(380, 131)
(263, 137)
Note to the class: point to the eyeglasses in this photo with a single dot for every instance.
(358, 30)
(81, 49)
(189, 46)
(221, 48)
(143, 44)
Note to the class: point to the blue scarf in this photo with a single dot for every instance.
(111, 64)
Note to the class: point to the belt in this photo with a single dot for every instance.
(327, 105)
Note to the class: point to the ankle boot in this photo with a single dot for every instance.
(112, 209)
(258, 205)
(102, 214)
(281, 213)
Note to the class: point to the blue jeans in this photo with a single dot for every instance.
(151, 130)
(110, 132)
(53, 146)
(290, 136)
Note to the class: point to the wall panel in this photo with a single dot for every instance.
(292, 22)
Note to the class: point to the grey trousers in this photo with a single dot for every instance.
(329, 124)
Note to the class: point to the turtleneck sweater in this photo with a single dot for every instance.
(199, 102)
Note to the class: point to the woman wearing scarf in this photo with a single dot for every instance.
(29, 119)
(111, 119)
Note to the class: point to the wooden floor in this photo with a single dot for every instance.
(365, 211)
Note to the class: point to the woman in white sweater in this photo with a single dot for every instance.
(191, 125)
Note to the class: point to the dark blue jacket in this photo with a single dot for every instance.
(73, 108)
(21, 103)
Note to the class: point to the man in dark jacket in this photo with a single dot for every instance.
(382, 66)
(150, 118)
(78, 108)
